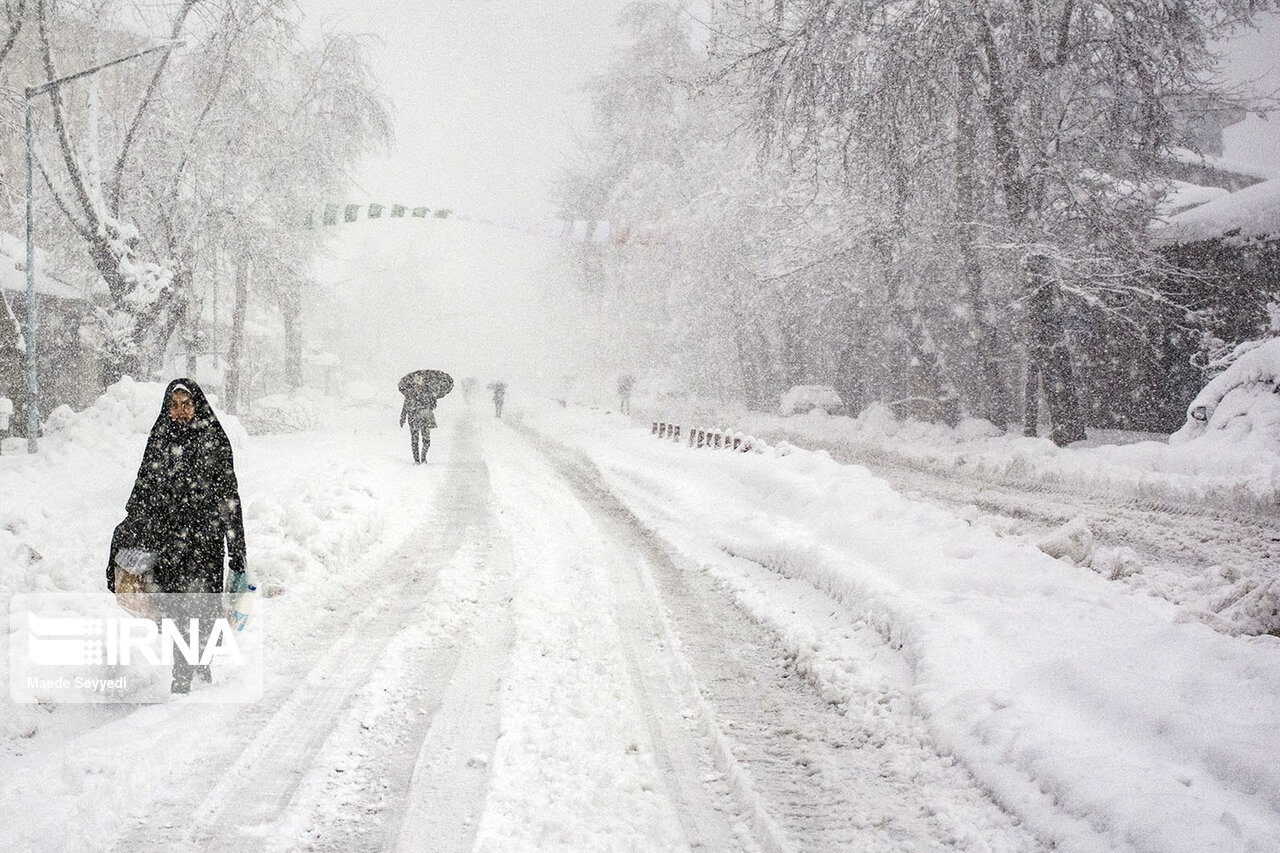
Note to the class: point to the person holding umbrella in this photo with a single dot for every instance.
(421, 390)
(499, 394)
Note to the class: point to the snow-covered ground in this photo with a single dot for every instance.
(566, 634)
(1193, 519)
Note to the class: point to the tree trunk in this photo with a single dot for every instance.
(235, 352)
(794, 370)
(933, 398)
(850, 384)
(1046, 341)
(192, 335)
(1050, 353)
(1030, 397)
(16, 15)
(290, 301)
(994, 402)
(750, 363)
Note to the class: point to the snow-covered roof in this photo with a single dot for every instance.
(1184, 196)
(1248, 214)
(13, 273)
(1236, 165)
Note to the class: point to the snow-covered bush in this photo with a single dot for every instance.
(805, 398)
(878, 421)
(1241, 404)
(282, 413)
(127, 408)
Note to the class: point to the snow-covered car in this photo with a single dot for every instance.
(805, 398)
(1242, 403)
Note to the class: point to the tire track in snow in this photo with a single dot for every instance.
(407, 765)
(596, 713)
(452, 768)
(232, 801)
(868, 779)
(675, 715)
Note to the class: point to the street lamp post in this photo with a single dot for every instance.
(33, 92)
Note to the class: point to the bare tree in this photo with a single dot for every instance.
(272, 124)
(14, 13)
(1068, 110)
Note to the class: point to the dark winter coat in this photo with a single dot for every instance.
(419, 410)
(185, 504)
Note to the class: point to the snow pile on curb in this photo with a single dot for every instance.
(307, 535)
(1074, 540)
(93, 451)
(126, 410)
(879, 419)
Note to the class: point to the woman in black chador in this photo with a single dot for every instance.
(185, 506)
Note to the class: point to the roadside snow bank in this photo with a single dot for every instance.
(60, 505)
(1220, 468)
(1102, 718)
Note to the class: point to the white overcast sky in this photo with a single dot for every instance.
(487, 94)
(1253, 59)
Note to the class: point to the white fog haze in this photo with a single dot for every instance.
(471, 299)
(489, 101)
(487, 95)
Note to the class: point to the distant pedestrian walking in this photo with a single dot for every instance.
(420, 412)
(625, 383)
(499, 394)
(422, 389)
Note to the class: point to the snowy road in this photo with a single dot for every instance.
(564, 635)
(816, 776)
(528, 668)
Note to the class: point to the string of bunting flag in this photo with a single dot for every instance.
(571, 230)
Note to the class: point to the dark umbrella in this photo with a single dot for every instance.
(433, 383)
